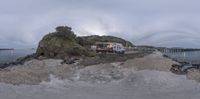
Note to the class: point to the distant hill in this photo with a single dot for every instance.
(91, 40)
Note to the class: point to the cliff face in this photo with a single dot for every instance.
(64, 43)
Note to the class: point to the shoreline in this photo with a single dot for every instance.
(135, 77)
(34, 71)
(98, 59)
(139, 60)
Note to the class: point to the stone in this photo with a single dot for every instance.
(193, 74)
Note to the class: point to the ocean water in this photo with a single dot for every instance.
(12, 55)
(187, 56)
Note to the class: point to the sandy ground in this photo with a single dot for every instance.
(141, 78)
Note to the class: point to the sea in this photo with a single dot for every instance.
(192, 57)
(12, 55)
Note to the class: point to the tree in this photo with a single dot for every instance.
(65, 31)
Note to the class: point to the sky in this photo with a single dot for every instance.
(170, 23)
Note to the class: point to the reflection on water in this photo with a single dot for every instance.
(188, 56)
(11, 55)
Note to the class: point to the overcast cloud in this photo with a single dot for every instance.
(151, 22)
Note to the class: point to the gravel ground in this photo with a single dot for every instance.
(146, 77)
(143, 84)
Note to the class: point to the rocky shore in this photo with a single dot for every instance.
(144, 77)
(192, 71)
(19, 61)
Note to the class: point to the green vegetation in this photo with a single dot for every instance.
(92, 53)
(64, 43)
(60, 44)
(91, 40)
(66, 32)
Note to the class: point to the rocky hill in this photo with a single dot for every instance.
(64, 43)
(60, 44)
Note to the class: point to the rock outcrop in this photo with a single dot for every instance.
(60, 44)
(63, 43)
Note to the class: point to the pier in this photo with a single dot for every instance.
(176, 49)
(7, 49)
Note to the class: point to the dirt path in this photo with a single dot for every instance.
(153, 61)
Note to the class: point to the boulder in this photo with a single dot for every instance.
(193, 74)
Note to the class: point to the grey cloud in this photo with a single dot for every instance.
(156, 22)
